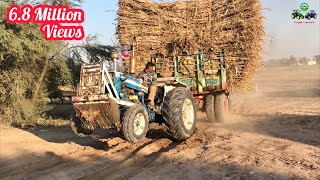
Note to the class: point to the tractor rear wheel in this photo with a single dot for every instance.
(135, 123)
(179, 113)
(78, 129)
(210, 108)
(222, 108)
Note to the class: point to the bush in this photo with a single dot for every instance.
(16, 105)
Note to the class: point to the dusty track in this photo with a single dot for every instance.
(275, 134)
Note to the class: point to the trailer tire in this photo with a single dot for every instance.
(77, 128)
(135, 123)
(222, 108)
(179, 113)
(210, 108)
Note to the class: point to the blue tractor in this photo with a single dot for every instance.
(311, 14)
(110, 99)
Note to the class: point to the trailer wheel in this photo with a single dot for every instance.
(210, 108)
(78, 129)
(222, 108)
(292, 16)
(135, 123)
(179, 113)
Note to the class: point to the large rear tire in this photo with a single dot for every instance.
(210, 108)
(78, 129)
(222, 108)
(135, 123)
(179, 113)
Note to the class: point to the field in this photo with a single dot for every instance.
(274, 134)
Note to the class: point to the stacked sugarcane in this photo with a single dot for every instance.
(171, 28)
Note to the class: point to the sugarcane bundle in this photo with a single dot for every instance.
(169, 28)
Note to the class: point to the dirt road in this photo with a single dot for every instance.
(275, 134)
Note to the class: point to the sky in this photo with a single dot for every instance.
(283, 37)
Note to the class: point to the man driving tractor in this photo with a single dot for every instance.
(150, 79)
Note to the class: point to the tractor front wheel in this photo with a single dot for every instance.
(315, 16)
(135, 123)
(78, 129)
(179, 113)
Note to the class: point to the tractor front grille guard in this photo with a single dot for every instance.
(108, 84)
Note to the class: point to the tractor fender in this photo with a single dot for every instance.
(168, 88)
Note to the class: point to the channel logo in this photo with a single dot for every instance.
(304, 13)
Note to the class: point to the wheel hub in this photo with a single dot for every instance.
(139, 124)
(188, 114)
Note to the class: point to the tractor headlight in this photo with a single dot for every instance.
(123, 77)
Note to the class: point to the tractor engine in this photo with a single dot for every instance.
(132, 89)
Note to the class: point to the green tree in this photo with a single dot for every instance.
(317, 58)
(22, 54)
(292, 60)
(58, 75)
(303, 60)
(25, 60)
(97, 52)
(32, 68)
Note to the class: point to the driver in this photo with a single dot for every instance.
(150, 79)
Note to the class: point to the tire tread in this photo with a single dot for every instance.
(172, 113)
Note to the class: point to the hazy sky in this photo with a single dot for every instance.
(284, 37)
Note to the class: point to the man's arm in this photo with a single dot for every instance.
(154, 79)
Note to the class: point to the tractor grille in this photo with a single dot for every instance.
(91, 80)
